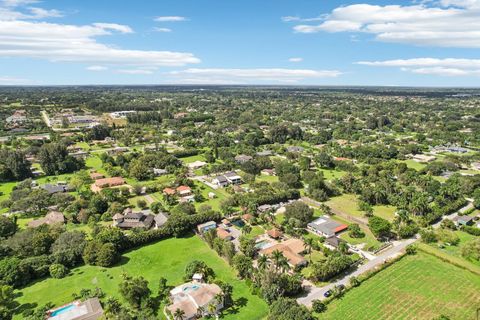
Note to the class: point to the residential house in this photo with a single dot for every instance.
(169, 192)
(333, 242)
(265, 153)
(185, 194)
(130, 219)
(224, 234)
(326, 227)
(196, 165)
(220, 181)
(160, 219)
(295, 149)
(292, 249)
(274, 233)
(191, 296)
(463, 221)
(204, 227)
(53, 217)
(242, 158)
(90, 309)
(268, 172)
(55, 188)
(233, 177)
(100, 184)
(423, 158)
(96, 176)
(19, 116)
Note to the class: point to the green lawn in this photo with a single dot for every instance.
(166, 258)
(220, 193)
(5, 190)
(269, 179)
(416, 287)
(332, 174)
(198, 157)
(348, 204)
(414, 164)
(456, 251)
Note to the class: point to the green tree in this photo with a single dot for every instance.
(58, 271)
(134, 290)
(8, 227)
(380, 227)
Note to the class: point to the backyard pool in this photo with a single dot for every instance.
(263, 244)
(238, 223)
(61, 310)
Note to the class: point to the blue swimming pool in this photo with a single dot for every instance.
(238, 223)
(263, 244)
(62, 310)
(190, 288)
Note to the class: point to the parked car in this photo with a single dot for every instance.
(327, 294)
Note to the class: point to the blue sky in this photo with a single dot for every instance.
(408, 43)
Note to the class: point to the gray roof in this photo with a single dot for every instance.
(325, 225)
(264, 153)
(243, 158)
(51, 188)
(221, 179)
(161, 218)
(333, 241)
(231, 174)
(294, 149)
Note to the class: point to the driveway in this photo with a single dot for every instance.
(317, 293)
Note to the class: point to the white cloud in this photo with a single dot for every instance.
(245, 76)
(135, 71)
(97, 68)
(445, 23)
(170, 19)
(8, 81)
(16, 3)
(297, 18)
(114, 27)
(432, 66)
(296, 59)
(60, 42)
(162, 29)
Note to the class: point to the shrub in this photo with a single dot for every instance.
(58, 270)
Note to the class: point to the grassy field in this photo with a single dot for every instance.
(332, 174)
(166, 258)
(456, 250)
(348, 203)
(416, 287)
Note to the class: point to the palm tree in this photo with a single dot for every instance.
(246, 229)
(283, 264)
(212, 309)
(200, 311)
(262, 262)
(277, 256)
(308, 244)
(178, 314)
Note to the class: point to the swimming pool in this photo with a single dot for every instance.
(238, 223)
(263, 244)
(62, 310)
(191, 288)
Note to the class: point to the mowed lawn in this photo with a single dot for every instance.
(166, 258)
(416, 287)
(348, 204)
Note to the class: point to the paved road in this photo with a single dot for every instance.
(315, 293)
